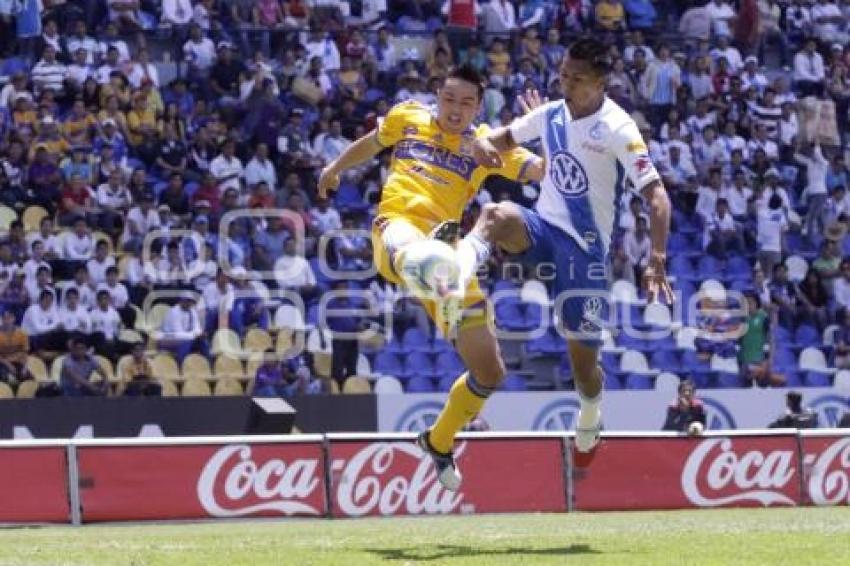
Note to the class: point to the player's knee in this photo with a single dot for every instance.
(490, 373)
(587, 375)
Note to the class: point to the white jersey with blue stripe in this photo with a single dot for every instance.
(587, 161)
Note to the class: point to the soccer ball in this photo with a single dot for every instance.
(430, 268)
(695, 428)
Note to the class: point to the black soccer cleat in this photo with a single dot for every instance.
(448, 232)
(447, 471)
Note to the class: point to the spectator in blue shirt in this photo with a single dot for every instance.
(641, 13)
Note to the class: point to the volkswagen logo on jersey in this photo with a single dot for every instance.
(830, 409)
(568, 175)
(419, 417)
(558, 415)
(717, 416)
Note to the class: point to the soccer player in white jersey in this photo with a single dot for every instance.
(590, 146)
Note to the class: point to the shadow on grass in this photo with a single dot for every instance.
(443, 551)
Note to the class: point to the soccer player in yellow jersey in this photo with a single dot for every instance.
(432, 178)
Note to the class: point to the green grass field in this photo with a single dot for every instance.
(727, 537)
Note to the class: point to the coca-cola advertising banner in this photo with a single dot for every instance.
(826, 465)
(675, 473)
(189, 482)
(34, 485)
(499, 476)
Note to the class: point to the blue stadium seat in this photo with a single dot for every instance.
(626, 340)
(538, 345)
(817, 379)
(419, 363)
(729, 380)
(665, 360)
(450, 363)
(807, 335)
(388, 363)
(612, 382)
(639, 381)
(793, 379)
(784, 360)
(738, 268)
(420, 384)
(782, 335)
(509, 316)
(445, 383)
(440, 345)
(533, 315)
(682, 268)
(702, 378)
(610, 362)
(513, 382)
(709, 267)
(416, 341)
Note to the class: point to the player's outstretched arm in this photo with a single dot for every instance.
(655, 275)
(360, 151)
(487, 150)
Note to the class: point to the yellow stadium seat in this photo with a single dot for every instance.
(33, 215)
(6, 391)
(37, 368)
(165, 367)
(195, 366)
(124, 267)
(225, 367)
(140, 322)
(258, 340)
(196, 388)
(226, 341)
(130, 336)
(169, 389)
(56, 368)
(334, 386)
(228, 387)
(27, 389)
(322, 364)
(7, 216)
(155, 316)
(356, 385)
(252, 365)
(106, 365)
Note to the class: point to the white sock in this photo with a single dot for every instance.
(589, 413)
(472, 252)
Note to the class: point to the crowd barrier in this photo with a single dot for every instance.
(355, 475)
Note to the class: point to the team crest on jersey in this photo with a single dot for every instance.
(410, 131)
(568, 175)
(597, 131)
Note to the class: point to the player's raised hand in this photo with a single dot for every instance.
(531, 100)
(486, 154)
(328, 181)
(655, 281)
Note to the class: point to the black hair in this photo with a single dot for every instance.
(102, 293)
(775, 202)
(594, 52)
(468, 74)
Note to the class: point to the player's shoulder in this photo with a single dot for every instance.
(409, 108)
(615, 117)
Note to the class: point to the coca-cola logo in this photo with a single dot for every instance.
(232, 484)
(829, 483)
(715, 474)
(391, 478)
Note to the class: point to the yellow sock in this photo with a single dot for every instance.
(462, 405)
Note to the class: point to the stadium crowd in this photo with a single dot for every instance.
(142, 144)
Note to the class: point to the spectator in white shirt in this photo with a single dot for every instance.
(79, 245)
(106, 327)
(325, 218)
(816, 166)
(41, 323)
(809, 73)
(72, 317)
(181, 331)
(761, 141)
(101, 261)
(119, 296)
(42, 282)
(293, 272)
(49, 73)
(738, 196)
(722, 16)
(36, 261)
(499, 19)
(51, 244)
(628, 218)
(322, 46)
(171, 270)
(261, 168)
(213, 295)
(788, 125)
(637, 247)
(176, 12)
(227, 168)
(722, 234)
(728, 52)
(114, 200)
(836, 208)
(199, 52)
(707, 196)
(830, 23)
(141, 220)
(334, 143)
(143, 70)
(83, 287)
(772, 224)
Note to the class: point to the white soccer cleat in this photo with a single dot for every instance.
(447, 472)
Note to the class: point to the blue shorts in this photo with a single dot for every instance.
(581, 284)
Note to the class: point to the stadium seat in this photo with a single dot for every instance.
(252, 364)
(657, 315)
(612, 382)
(419, 363)
(227, 367)
(420, 384)
(738, 268)
(7, 216)
(793, 379)
(535, 292)
(258, 340)
(388, 385)
(165, 368)
(56, 368)
(667, 382)
(107, 368)
(322, 363)
(708, 267)
(319, 340)
(633, 361)
(638, 381)
(226, 341)
(797, 268)
(6, 391)
(685, 338)
(450, 363)
(387, 363)
(196, 388)
(806, 336)
(721, 364)
(364, 368)
(415, 340)
(227, 387)
(37, 368)
(829, 334)
(784, 360)
(817, 379)
(665, 360)
(32, 217)
(513, 382)
(27, 389)
(812, 359)
(729, 380)
(623, 291)
(712, 289)
(288, 317)
(196, 366)
(356, 385)
(842, 381)
(445, 384)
